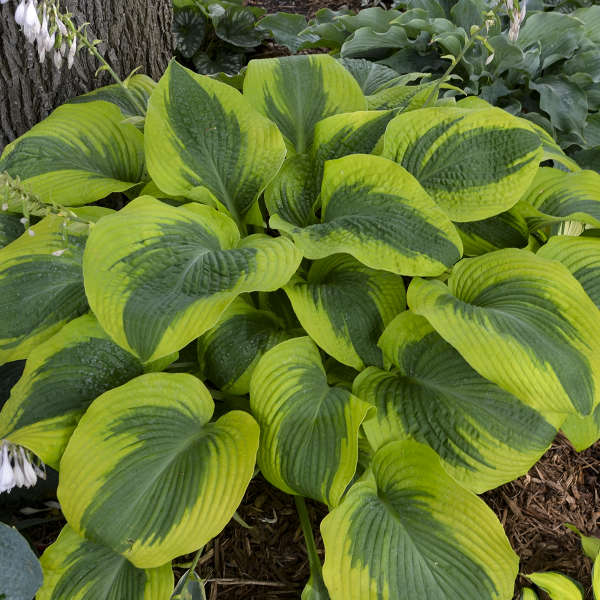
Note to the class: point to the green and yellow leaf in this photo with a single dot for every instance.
(528, 594)
(345, 306)
(557, 585)
(148, 475)
(41, 286)
(296, 92)
(62, 377)
(202, 135)
(484, 435)
(78, 569)
(10, 228)
(308, 430)
(406, 530)
(556, 196)
(523, 322)
(374, 210)
(229, 352)
(79, 154)
(158, 277)
(474, 163)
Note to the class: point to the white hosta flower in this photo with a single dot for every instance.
(57, 58)
(3, 1)
(20, 13)
(50, 41)
(17, 469)
(72, 50)
(61, 27)
(32, 25)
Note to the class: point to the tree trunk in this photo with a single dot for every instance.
(136, 33)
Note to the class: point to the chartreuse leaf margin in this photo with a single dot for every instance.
(79, 154)
(79, 569)
(309, 430)
(483, 434)
(523, 322)
(158, 277)
(406, 530)
(147, 474)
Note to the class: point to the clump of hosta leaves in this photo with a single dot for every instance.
(353, 286)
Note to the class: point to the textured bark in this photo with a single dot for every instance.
(137, 33)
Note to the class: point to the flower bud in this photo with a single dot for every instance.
(20, 13)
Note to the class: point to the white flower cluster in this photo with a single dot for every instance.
(42, 24)
(17, 469)
(517, 16)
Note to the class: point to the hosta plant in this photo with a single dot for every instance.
(369, 305)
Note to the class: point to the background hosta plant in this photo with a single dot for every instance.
(383, 317)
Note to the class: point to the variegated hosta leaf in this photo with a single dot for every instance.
(558, 196)
(484, 435)
(557, 585)
(523, 322)
(376, 211)
(345, 306)
(146, 474)
(589, 544)
(158, 277)
(229, 352)
(139, 86)
(406, 530)
(10, 228)
(308, 430)
(62, 376)
(528, 594)
(506, 230)
(293, 193)
(404, 98)
(296, 92)
(581, 255)
(596, 578)
(201, 135)
(78, 569)
(41, 286)
(552, 150)
(79, 154)
(474, 163)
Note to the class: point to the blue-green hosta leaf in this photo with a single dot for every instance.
(189, 30)
(189, 587)
(78, 569)
(376, 211)
(506, 230)
(293, 192)
(41, 286)
(171, 272)
(21, 571)
(558, 35)
(590, 17)
(140, 86)
(376, 18)
(581, 255)
(373, 45)
(298, 91)
(308, 430)
(62, 377)
(148, 475)
(79, 154)
(523, 322)
(557, 196)
(557, 585)
(474, 163)
(223, 64)
(10, 228)
(369, 75)
(201, 135)
(229, 352)
(285, 29)
(406, 530)
(235, 25)
(345, 306)
(563, 100)
(484, 435)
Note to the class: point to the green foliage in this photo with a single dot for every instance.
(307, 240)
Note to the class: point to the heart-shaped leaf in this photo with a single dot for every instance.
(147, 474)
(173, 271)
(407, 530)
(309, 430)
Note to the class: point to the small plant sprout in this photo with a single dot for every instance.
(18, 467)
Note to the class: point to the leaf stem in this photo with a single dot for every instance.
(316, 570)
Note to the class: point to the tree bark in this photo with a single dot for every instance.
(136, 33)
